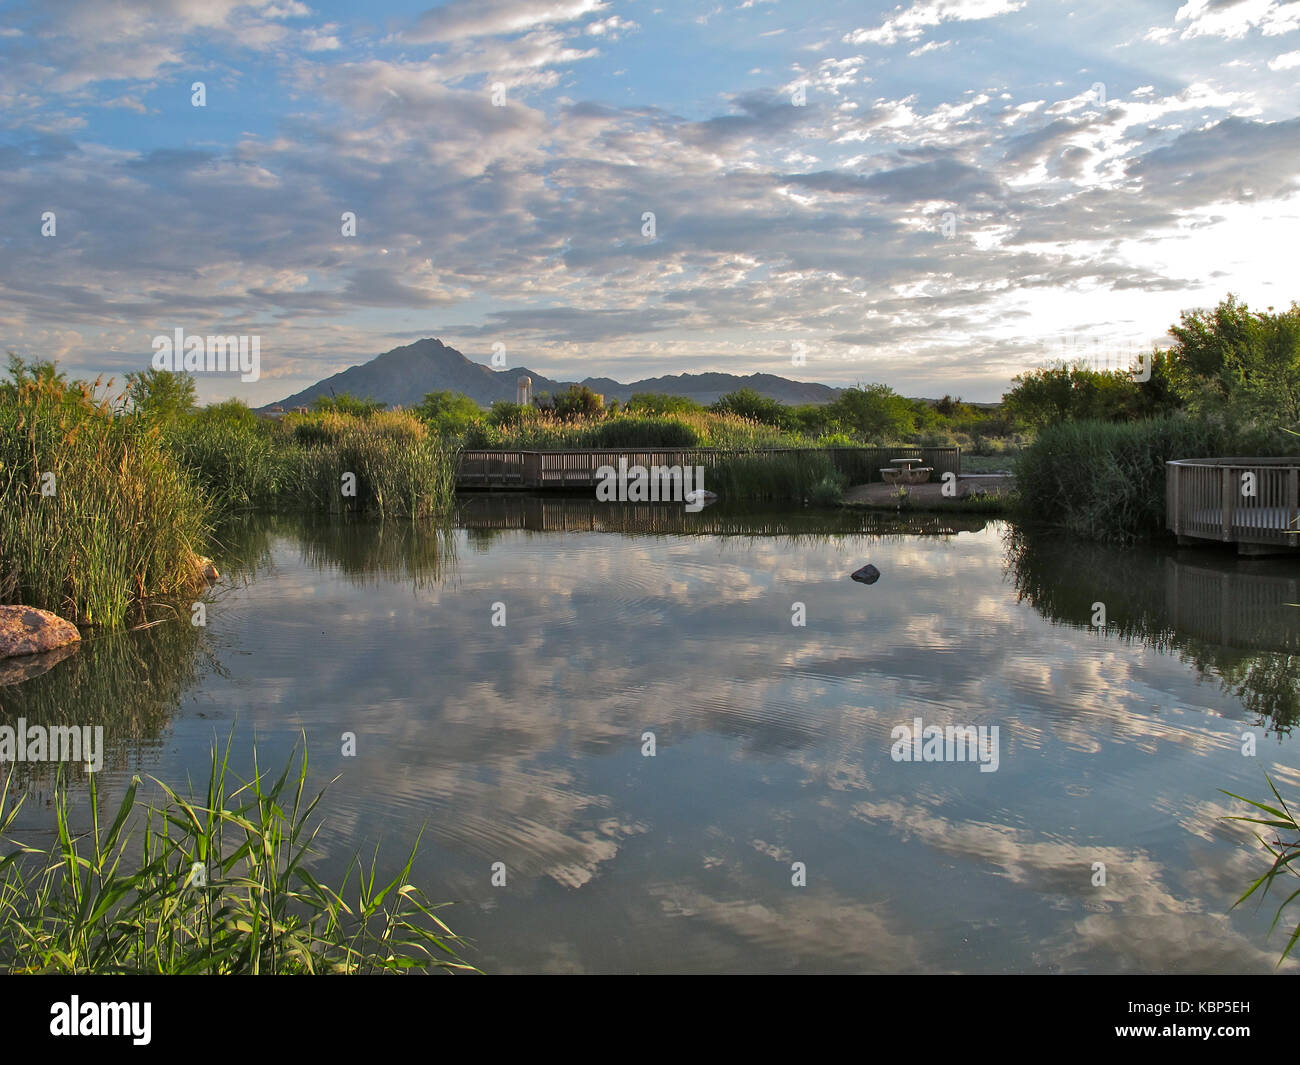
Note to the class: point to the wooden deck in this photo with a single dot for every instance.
(577, 468)
(1252, 502)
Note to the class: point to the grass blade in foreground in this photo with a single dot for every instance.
(217, 883)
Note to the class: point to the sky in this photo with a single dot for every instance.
(937, 195)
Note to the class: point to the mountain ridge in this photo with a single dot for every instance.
(403, 375)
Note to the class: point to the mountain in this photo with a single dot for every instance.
(401, 377)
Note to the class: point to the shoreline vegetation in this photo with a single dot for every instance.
(107, 900)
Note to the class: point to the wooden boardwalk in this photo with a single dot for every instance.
(577, 468)
(1251, 502)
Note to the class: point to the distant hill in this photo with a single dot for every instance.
(401, 377)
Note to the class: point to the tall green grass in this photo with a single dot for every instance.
(214, 883)
(792, 476)
(1106, 481)
(400, 468)
(1285, 852)
(237, 463)
(117, 521)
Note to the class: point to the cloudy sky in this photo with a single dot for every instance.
(936, 195)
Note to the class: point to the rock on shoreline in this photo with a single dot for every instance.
(25, 630)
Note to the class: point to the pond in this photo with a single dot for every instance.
(678, 734)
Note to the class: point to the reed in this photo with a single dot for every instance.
(1285, 852)
(400, 469)
(784, 476)
(236, 462)
(214, 883)
(96, 515)
(1106, 481)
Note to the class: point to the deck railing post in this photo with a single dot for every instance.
(1176, 482)
(1292, 499)
(1228, 500)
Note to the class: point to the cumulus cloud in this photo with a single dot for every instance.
(1233, 19)
(483, 18)
(912, 22)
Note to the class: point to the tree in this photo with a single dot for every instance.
(448, 413)
(505, 414)
(659, 403)
(873, 412)
(750, 404)
(578, 402)
(1061, 392)
(1242, 365)
(162, 395)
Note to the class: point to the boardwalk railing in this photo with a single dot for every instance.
(1247, 501)
(577, 468)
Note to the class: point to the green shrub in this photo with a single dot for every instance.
(829, 491)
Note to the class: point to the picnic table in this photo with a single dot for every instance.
(905, 471)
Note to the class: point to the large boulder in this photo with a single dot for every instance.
(24, 630)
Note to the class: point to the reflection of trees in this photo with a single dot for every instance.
(1229, 618)
(364, 550)
(1267, 686)
(128, 682)
(368, 552)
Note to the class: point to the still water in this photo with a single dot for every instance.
(524, 742)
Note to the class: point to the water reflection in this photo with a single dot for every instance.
(1233, 619)
(522, 743)
(486, 512)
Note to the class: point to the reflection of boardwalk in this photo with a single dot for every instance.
(1252, 502)
(1234, 606)
(571, 514)
(577, 468)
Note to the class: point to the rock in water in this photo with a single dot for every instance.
(24, 630)
(868, 574)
